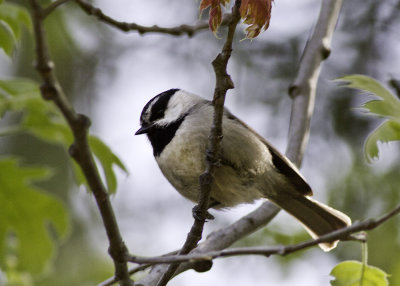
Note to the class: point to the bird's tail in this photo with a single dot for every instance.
(317, 218)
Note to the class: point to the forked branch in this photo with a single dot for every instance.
(223, 84)
(79, 150)
(181, 30)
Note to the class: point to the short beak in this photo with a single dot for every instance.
(144, 129)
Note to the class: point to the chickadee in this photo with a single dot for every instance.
(178, 124)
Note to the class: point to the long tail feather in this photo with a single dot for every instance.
(317, 218)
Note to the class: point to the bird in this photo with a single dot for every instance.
(178, 123)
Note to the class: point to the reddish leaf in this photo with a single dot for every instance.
(204, 4)
(257, 14)
(215, 12)
(215, 18)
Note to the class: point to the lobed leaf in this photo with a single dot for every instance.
(79, 176)
(215, 14)
(387, 106)
(352, 273)
(26, 213)
(386, 132)
(40, 118)
(12, 18)
(15, 16)
(107, 159)
(13, 94)
(215, 18)
(257, 14)
(18, 87)
(7, 39)
(43, 120)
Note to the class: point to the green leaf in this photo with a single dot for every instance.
(79, 176)
(43, 120)
(352, 273)
(14, 94)
(19, 87)
(386, 132)
(107, 159)
(7, 39)
(387, 106)
(15, 16)
(12, 18)
(48, 126)
(26, 214)
(40, 118)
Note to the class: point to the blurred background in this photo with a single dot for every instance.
(110, 75)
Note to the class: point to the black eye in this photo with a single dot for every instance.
(157, 115)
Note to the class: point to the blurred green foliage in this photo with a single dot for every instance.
(362, 192)
(25, 214)
(34, 222)
(41, 119)
(12, 18)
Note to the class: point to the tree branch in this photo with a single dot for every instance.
(303, 89)
(342, 234)
(79, 150)
(223, 84)
(206, 256)
(133, 270)
(49, 9)
(180, 30)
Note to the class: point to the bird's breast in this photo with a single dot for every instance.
(182, 162)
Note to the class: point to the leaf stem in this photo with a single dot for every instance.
(364, 260)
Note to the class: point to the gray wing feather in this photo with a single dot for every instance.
(281, 163)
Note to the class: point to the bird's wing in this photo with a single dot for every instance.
(280, 162)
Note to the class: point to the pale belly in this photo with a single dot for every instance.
(230, 187)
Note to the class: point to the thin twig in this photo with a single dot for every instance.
(133, 270)
(223, 84)
(180, 30)
(79, 150)
(342, 234)
(204, 255)
(218, 240)
(49, 9)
